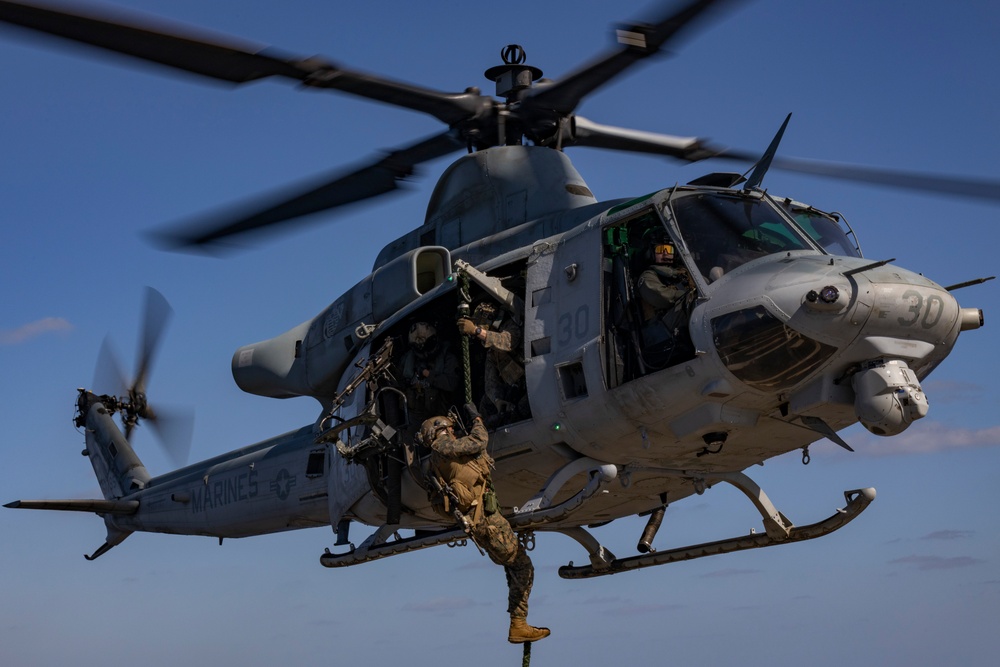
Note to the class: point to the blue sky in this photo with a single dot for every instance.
(95, 152)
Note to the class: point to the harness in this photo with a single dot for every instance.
(470, 482)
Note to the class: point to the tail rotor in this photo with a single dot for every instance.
(173, 427)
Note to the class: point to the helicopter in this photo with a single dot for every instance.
(575, 358)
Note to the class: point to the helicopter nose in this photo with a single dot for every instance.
(822, 327)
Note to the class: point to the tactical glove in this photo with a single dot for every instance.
(466, 327)
(470, 408)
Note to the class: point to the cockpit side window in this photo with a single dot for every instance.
(723, 232)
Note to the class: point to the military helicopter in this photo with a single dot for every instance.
(791, 334)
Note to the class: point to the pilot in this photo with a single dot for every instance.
(665, 290)
(463, 464)
(429, 374)
(505, 397)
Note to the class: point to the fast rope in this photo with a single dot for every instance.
(526, 660)
(464, 311)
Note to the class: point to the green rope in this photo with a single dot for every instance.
(463, 311)
(526, 660)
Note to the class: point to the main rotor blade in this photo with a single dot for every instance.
(975, 188)
(227, 59)
(229, 62)
(375, 179)
(637, 42)
(588, 133)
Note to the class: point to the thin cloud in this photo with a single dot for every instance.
(954, 391)
(936, 562)
(949, 535)
(929, 438)
(34, 329)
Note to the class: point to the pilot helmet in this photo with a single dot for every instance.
(657, 242)
(661, 244)
(423, 336)
(432, 427)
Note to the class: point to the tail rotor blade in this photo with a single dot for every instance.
(109, 378)
(155, 318)
(174, 428)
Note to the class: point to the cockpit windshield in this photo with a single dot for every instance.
(723, 231)
(823, 228)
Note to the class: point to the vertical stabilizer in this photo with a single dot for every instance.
(119, 471)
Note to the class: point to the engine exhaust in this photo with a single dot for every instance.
(652, 526)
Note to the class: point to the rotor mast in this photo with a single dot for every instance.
(511, 78)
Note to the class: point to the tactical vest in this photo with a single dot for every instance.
(469, 479)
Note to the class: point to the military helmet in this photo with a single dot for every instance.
(484, 314)
(422, 335)
(430, 429)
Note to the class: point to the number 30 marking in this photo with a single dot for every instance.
(932, 314)
(573, 325)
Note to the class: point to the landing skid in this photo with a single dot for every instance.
(537, 512)
(857, 501)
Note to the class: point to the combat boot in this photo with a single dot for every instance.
(521, 632)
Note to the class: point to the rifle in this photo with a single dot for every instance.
(371, 369)
(448, 494)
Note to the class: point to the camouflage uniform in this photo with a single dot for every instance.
(504, 380)
(505, 398)
(464, 464)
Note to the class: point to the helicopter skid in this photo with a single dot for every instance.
(857, 501)
(376, 545)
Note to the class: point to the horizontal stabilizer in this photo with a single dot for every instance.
(97, 506)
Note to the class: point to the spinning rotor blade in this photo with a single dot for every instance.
(227, 62)
(109, 378)
(595, 135)
(637, 42)
(157, 313)
(375, 179)
(174, 430)
(905, 180)
(225, 59)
